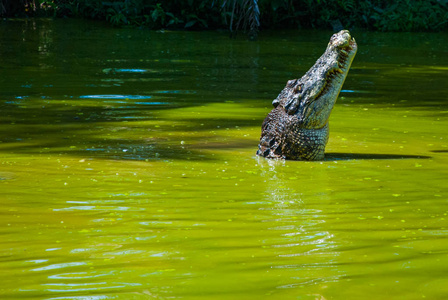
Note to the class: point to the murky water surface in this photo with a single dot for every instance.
(127, 168)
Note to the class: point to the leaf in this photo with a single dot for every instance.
(204, 23)
(377, 9)
(155, 15)
(190, 23)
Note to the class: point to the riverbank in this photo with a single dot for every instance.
(251, 16)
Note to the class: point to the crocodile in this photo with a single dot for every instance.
(297, 126)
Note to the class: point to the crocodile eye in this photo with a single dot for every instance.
(297, 88)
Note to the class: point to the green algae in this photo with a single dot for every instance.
(145, 185)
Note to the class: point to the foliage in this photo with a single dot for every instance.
(161, 14)
(383, 15)
(408, 15)
(245, 14)
(248, 15)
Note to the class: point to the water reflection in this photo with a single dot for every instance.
(59, 266)
(114, 70)
(123, 97)
(304, 246)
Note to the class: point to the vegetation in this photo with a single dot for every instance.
(248, 15)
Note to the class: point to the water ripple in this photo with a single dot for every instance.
(113, 96)
(60, 266)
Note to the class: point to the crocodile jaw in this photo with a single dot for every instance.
(312, 97)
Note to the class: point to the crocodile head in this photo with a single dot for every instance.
(312, 97)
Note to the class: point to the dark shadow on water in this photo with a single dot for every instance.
(370, 156)
(439, 151)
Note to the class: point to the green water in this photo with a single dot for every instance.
(128, 168)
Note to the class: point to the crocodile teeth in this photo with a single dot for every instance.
(344, 52)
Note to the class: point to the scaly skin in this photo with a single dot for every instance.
(297, 127)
